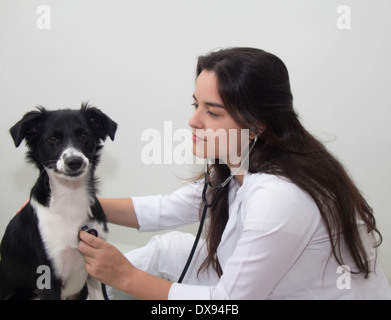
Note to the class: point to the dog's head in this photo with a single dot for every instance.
(66, 141)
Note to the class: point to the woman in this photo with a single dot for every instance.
(293, 226)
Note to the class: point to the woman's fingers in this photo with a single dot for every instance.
(23, 205)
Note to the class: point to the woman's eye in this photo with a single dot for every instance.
(212, 114)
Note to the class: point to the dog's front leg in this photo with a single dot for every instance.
(54, 293)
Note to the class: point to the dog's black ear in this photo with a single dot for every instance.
(102, 125)
(28, 127)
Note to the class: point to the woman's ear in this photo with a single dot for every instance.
(253, 134)
(256, 132)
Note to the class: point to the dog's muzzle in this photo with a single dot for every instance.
(72, 163)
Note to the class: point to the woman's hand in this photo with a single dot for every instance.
(104, 261)
(107, 264)
(23, 205)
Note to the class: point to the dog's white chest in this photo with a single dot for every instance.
(59, 225)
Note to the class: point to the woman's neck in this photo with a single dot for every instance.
(239, 178)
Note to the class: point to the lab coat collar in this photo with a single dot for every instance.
(240, 188)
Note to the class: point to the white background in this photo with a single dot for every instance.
(136, 60)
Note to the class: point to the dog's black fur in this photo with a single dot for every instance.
(47, 135)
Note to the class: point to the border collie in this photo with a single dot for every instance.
(65, 146)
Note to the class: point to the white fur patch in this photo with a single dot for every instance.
(68, 153)
(59, 225)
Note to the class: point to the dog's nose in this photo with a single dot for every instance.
(74, 163)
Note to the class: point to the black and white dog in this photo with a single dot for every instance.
(64, 145)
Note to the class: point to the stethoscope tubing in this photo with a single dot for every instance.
(208, 205)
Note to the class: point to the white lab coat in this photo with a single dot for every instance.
(274, 246)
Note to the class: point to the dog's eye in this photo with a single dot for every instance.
(53, 139)
(84, 137)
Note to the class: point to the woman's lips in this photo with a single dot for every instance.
(197, 139)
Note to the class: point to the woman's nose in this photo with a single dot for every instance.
(195, 120)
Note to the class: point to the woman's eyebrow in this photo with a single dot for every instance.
(210, 104)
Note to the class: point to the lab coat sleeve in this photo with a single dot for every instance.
(161, 212)
(277, 222)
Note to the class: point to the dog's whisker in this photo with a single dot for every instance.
(43, 163)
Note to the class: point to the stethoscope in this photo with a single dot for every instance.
(207, 205)
(211, 204)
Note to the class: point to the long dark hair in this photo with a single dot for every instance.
(255, 89)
